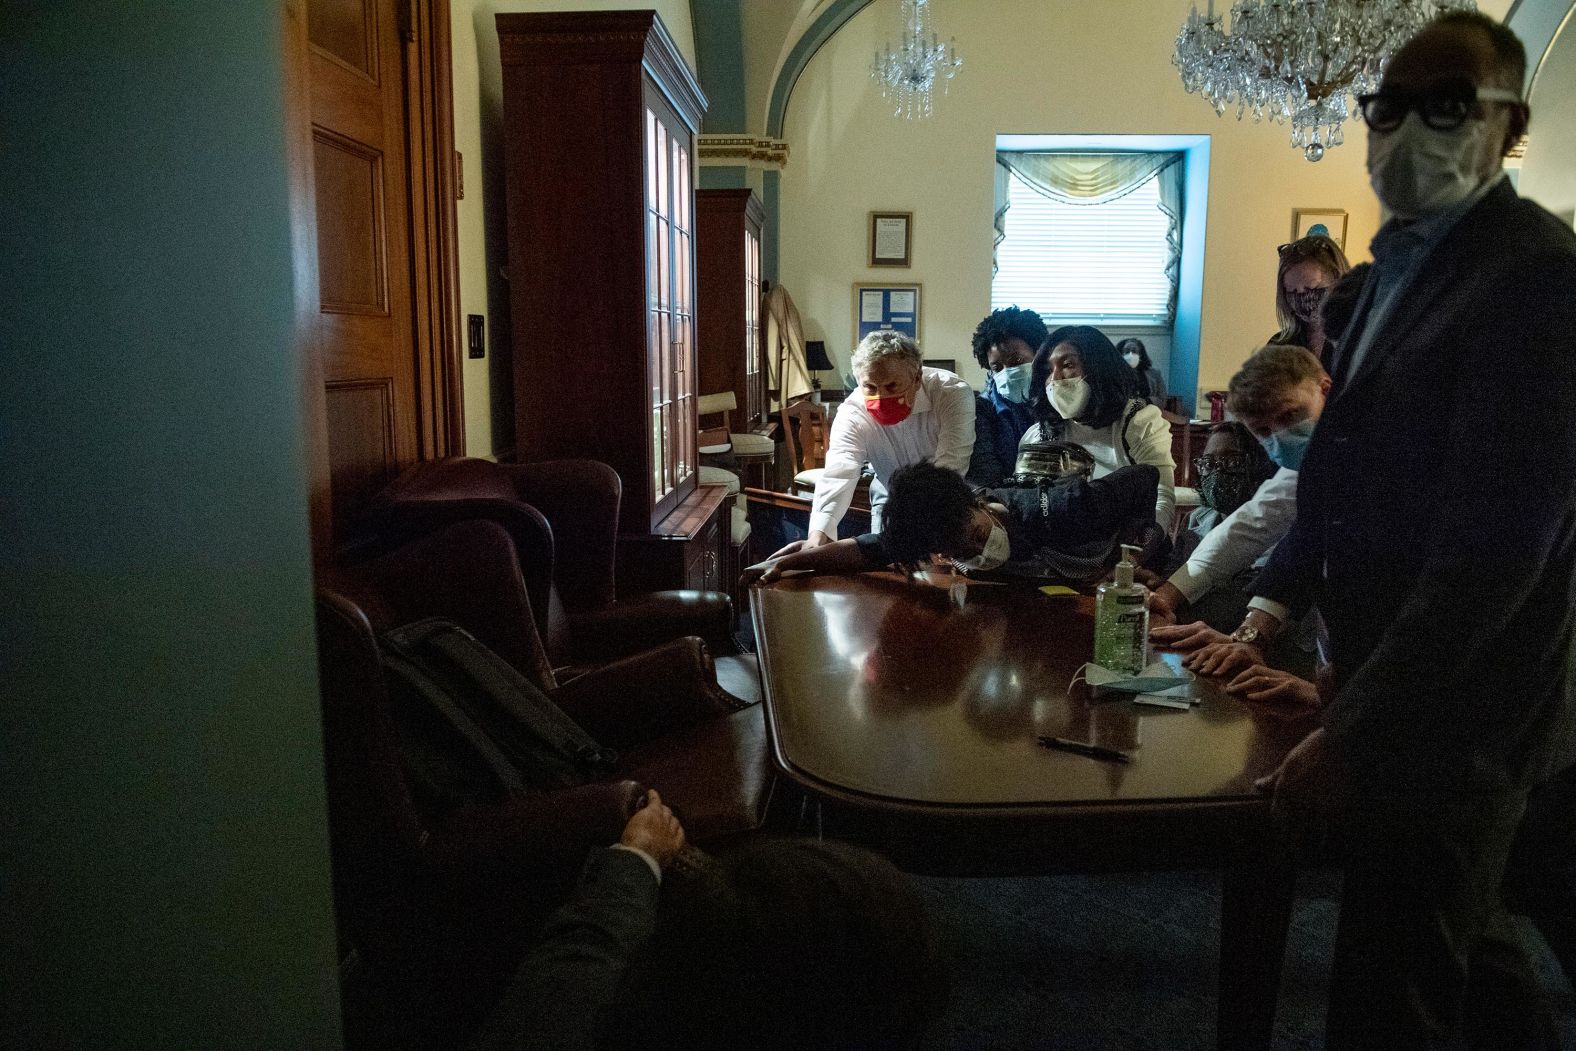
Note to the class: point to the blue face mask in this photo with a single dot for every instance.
(1288, 447)
(1012, 382)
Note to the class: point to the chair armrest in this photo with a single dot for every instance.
(529, 835)
(645, 696)
(640, 622)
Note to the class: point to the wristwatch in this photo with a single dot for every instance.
(1247, 633)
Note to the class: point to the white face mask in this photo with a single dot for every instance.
(1131, 358)
(1416, 170)
(1068, 396)
(1155, 677)
(995, 553)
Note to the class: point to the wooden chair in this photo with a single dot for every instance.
(745, 448)
(1187, 498)
(804, 435)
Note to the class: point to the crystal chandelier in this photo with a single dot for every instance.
(909, 74)
(1298, 60)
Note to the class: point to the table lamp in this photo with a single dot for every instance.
(815, 360)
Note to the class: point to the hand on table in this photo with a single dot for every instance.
(1308, 784)
(1224, 658)
(1271, 686)
(1186, 636)
(654, 830)
(760, 573)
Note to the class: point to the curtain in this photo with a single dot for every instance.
(999, 212)
(1094, 178)
(1171, 203)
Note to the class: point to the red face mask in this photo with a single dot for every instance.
(888, 411)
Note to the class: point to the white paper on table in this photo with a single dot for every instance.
(902, 302)
(870, 306)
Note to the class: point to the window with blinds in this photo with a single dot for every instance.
(1102, 263)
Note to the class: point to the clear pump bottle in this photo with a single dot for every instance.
(1121, 620)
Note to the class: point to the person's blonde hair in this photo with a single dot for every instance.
(1265, 379)
(885, 343)
(1319, 250)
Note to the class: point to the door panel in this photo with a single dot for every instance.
(365, 328)
(346, 30)
(352, 263)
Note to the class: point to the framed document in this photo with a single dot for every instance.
(1330, 222)
(886, 306)
(891, 238)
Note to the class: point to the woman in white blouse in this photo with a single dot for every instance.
(1084, 392)
(903, 413)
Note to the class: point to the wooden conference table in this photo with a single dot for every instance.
(912, 725)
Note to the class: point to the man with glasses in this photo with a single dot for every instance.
(1436, 531)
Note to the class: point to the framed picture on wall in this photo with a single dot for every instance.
(891, 238)
(878, 306)
(1331, 222)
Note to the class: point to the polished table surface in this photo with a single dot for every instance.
(883, 689)
(911, 724)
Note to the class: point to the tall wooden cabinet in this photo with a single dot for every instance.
(728, 273)
(600, 117)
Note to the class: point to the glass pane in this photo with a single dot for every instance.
(681, 187)
(653, 273)
(667, 444)
(664, 193)
(663, 242)
(653, 157)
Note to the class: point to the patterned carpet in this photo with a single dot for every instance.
(1115, 963)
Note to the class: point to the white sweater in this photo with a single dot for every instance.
(1149, 438)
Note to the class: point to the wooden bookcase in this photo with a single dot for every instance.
(600, 117)
(728, 275)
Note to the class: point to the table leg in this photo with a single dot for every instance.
(1255, 912)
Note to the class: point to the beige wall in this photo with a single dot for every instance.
(1548, 172)
(1046, 67)
(478, 131)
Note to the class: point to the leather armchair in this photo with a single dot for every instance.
(563, 515)
(439, 905)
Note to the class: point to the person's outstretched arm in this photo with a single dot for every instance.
(854, 555)
(560, 998)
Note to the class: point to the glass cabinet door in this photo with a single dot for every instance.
(670, 310)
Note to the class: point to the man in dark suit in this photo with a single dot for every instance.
(1436, 531)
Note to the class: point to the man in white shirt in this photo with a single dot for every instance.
(902, 414)
(1279, 389)
(1278, 394)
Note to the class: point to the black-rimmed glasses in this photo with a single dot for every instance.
(1443, 107)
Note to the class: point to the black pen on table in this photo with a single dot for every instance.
(1093, 751)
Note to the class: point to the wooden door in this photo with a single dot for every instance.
(365, 332)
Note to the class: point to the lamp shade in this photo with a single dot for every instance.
(815, 358)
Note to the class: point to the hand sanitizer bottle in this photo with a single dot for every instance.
(1121, 620)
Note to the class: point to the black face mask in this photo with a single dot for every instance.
(1225, 491)
(1306, 304)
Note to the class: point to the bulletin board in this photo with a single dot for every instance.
(894, 307)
